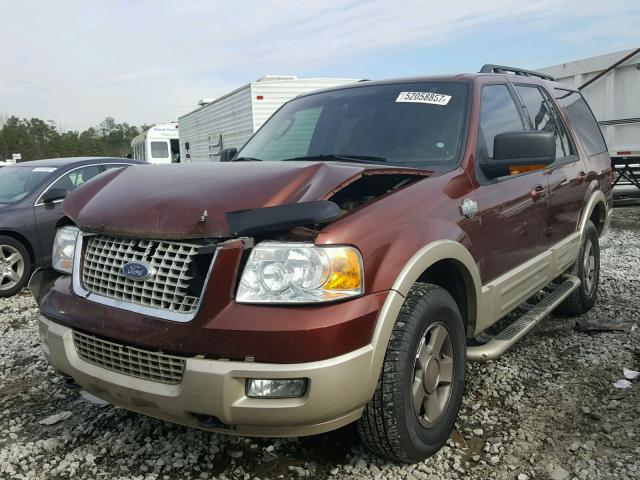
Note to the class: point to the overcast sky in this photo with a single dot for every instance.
(149, 61)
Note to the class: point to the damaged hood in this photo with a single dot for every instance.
(182, 201)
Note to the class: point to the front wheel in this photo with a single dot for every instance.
(420, 389)
(15, 266)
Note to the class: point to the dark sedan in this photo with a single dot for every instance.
(31, 195)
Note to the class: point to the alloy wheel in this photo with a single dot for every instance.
(11, 267)
(589, 267)
(433, 375)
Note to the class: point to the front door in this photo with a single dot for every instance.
(514, 210)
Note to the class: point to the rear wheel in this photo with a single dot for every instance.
(15, 266)
(419, 392)
(587, 269)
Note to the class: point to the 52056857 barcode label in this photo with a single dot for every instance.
(423, 97)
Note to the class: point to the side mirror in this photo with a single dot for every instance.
(54, 194)
(227, 154)
(521, 151)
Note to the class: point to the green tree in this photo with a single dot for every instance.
(36, 138)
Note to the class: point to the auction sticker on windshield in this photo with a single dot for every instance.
(423, 97)
(44, 169)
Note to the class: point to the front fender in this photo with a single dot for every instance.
(419, 262)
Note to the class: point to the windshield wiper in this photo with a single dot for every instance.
(246, 159)
(338, 158)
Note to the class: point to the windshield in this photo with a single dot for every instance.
(407, 124)
(18, 182)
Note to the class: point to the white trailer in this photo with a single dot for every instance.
(158, 144)
(614, 97)
(230, 120)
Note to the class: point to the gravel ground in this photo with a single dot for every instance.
(546, 409)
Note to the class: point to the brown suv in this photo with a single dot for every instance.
(341, 266)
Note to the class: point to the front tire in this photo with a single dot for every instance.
(587, 269)
(15, 266)
(418, 395)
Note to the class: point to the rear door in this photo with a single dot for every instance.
(567, 175)
(514, 210)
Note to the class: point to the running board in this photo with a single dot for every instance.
(514, 332)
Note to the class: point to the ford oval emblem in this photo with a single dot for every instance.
(137, 270)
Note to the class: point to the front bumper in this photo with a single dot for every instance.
(338, 388)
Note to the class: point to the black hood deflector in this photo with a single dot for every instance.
(257, 221)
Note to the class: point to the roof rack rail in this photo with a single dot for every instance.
(490, 68)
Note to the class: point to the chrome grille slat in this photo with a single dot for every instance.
(131, 361)
(104, 256)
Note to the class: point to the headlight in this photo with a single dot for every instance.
(64, 247)
(300, 273)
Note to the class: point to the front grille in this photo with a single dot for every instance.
(176, 285)
(131, 361)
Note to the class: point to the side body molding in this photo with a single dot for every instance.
(486, 303)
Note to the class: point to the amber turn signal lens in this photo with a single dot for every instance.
(524, 169)
(346, 271)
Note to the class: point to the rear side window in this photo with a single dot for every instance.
(75, 178)
(585, 124)
(544, 116)
(498, 114)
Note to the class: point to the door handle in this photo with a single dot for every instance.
(582, 175)
(538, 192)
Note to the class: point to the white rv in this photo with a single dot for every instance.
(230, 120)
(159, 144)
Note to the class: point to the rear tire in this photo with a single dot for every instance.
(587, 269)
(419, 392)
(15, 266)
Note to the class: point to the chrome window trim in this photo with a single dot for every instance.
(38, 203)
(79, 290)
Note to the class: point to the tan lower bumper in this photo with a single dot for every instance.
(338, 388)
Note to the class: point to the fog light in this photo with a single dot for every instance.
(281, 388)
